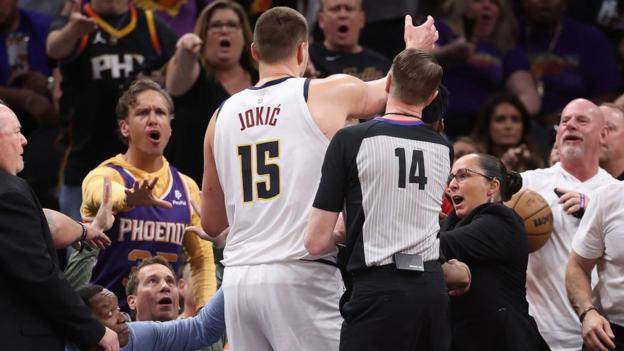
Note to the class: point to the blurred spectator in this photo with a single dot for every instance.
(464, 146)
(569, 59)
(341, 22)
(608, 15)
(503, 131)
(384, 25)
(208, 66)
(102, 48)
(612, 146)
(480, 57)
(179, 14)
(48, 7)
(24, 77)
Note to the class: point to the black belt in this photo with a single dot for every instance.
(429, 266)
(323, 261)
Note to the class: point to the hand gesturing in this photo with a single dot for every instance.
(141, 195)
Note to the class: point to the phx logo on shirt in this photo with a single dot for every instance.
(177, 201)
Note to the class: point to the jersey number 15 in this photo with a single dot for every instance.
(262, 154)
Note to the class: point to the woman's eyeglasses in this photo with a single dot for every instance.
(227, 25)
(465, 173)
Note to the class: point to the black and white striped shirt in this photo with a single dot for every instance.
(390, 176)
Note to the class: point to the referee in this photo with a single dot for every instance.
(389, 174)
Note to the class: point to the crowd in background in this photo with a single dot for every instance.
(510, 67)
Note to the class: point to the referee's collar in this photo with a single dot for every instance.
(400, 122)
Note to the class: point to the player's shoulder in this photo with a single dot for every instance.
(335, 80)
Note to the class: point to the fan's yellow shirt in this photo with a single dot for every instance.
(198, 251)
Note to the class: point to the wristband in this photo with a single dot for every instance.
(83, 236)
(585, 311)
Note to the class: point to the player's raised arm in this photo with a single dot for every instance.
(363, 99)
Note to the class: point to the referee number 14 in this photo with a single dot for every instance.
(417, 166)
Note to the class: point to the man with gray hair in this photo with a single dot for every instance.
(40, 309)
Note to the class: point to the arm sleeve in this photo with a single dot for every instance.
(80, 267)
(183, 334)
(488, 238)
(27, 265)
(331, 191)
(92, 192)
(588, 241)
(200, 255)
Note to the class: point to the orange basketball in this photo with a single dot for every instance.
(536, 214)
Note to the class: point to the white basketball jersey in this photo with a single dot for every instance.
(268, 152)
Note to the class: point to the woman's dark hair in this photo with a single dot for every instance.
(481, 131)
(510, 181)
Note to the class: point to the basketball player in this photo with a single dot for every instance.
(578, 141)
(151, 199)
(390, 174)
(263, 153)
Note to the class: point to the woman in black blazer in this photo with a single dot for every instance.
(490, 238)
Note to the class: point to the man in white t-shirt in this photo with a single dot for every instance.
(599, 242)
(575, 177)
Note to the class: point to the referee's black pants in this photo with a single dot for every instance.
(391, 309)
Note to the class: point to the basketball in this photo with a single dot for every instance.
(536, 215)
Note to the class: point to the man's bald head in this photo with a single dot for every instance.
(580, 130)
(612, 147)
(11, 142)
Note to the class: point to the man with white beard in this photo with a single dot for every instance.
(574, 177)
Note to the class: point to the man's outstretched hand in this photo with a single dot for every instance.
(421, 37)
(141, 195)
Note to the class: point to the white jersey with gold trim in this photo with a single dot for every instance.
(268, 153)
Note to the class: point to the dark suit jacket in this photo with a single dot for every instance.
(494, 314)
(38, 308)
